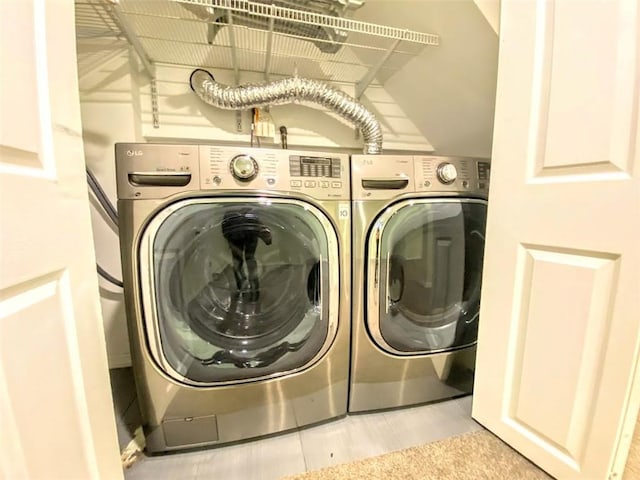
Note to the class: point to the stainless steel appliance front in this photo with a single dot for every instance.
(234, 263)
(418, 240)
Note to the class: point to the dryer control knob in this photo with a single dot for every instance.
(447, 173)
(244, 168)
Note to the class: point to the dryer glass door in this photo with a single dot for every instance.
(427, 269)
(238, 289)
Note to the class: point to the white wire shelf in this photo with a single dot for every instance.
(245, 35)
(311, 18)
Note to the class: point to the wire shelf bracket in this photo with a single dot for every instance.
(129, 33)
(236, 71)
(267, 61)
(362, 85)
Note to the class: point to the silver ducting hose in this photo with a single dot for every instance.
(290, 90)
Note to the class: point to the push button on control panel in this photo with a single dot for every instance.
(296, 183)
(336, 184)
(310, 184)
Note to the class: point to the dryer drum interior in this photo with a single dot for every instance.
(239, 289)
(431, 257)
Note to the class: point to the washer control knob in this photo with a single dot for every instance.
(447, 173)
(244, 168)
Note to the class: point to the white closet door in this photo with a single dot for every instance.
(560, 310)
(56, 414)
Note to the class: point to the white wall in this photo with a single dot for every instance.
(491, 11)
(110, 114)
(447, 91)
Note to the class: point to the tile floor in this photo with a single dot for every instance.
(339, 441)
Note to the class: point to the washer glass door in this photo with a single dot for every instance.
(237, 289)
(425, 259)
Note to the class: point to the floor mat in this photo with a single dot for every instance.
(474, 456)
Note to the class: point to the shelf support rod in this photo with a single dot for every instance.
(362, 85)
(232, 44)
(154, 103)
(131, 37)
(267, 63)
(234, 59)
(149, 66)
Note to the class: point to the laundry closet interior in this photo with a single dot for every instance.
(303, 266)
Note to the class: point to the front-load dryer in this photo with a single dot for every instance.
(418, 242)
(236, 265)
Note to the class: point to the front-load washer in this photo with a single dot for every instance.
(418, 242)
(236, 266)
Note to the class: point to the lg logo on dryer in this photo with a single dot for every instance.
(134, 153)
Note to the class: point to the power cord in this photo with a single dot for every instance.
(107, 276)
(111, 212)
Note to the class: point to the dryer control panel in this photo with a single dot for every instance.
(457, 174)
(388, 176)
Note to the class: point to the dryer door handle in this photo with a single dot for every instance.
(386, 282)
(376, 263)
(384, 183)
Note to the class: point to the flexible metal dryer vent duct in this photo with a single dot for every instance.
(289, 90)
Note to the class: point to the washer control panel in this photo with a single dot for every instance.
(319, 175)
(155, 170)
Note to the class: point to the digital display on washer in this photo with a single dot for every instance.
(310, 166)
(315, 161)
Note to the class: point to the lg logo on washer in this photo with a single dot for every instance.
(134, 153)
